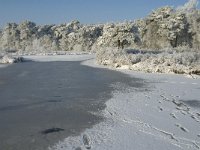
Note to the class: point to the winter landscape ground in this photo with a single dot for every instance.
(161, 110)
(162, 114)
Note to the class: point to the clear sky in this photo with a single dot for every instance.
(86, 11)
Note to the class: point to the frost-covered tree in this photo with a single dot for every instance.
(165, 27)
(126, 31)
(28, 32)
(193, 18)
(190, 6)
(75, 36)
(10, 37)
(65, 32)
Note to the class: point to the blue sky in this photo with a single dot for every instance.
(86, 11)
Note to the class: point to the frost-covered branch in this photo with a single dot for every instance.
(188, 7)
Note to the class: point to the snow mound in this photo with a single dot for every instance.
(10, 59)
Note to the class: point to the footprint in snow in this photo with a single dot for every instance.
(195, 118)
(79, 148)
(182, 128)
(173, 115)
(86, 141)
(160, 108)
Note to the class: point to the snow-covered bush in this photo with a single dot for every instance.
(151, 61)
(113, 57)
(10, 59)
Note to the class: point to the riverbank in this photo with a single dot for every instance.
(164, 114)
(172, 61)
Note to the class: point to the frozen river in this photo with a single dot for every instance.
(44, 102)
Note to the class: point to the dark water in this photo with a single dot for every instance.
(44, 102)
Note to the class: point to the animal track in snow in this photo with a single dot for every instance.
(195, 118)
(160, 108)
(164, 97)
(173, 115)
(182, 128)
(78, 148)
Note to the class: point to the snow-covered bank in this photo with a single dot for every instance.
(168, 61)
(69, 56)
(48, 58)
(164, 114)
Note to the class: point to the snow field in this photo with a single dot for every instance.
(155, 116)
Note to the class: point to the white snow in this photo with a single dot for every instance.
(46, 57)
(68, 57)
(153, 117)
(10, 59)
(163, 61)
